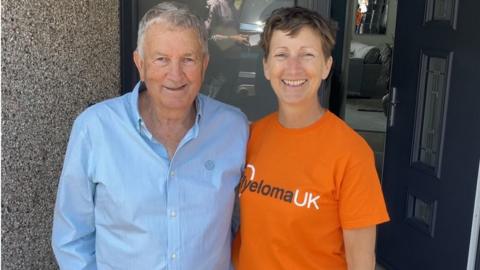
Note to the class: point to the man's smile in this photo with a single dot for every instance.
(175, 88)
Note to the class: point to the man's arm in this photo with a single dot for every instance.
(73, 234)
(360, 248)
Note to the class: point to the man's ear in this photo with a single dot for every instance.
(266, 69)
(206, 59)
(137, 58)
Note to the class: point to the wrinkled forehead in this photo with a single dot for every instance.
(170, 39)
(162, 25)
(166, 25)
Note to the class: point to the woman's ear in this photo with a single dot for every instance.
(328, 67)
(266, 69)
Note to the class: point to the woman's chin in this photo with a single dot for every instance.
(292, 100)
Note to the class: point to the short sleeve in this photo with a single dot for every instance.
(361, 202)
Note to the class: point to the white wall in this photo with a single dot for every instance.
(57, 57)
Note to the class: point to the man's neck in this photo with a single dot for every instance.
(166, 125)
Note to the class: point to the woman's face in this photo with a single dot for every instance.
(296, 67)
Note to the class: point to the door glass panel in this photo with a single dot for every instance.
(235, 72)
(421, 214)
(441, 10)
(432, 100)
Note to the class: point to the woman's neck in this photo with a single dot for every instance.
(299, 116)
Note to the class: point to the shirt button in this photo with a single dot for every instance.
(173, 256)
(173, 214)
(172, 173)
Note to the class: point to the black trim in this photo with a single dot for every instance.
(337, 12)
(128, 40)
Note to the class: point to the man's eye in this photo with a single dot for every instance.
(189, 60)
(161, 59)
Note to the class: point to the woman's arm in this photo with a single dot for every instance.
(360, 248)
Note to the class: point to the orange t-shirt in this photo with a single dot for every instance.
(301, 188)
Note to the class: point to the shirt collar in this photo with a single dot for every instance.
(139, 87)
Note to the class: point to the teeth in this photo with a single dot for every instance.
(294, 82)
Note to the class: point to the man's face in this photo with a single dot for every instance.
(173, 65)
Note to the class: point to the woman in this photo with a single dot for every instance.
(310, 197)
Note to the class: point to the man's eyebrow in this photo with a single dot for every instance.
(192, 55)
(159, 54)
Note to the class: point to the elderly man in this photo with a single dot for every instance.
(149, 177)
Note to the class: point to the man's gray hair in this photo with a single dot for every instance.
(175, 15)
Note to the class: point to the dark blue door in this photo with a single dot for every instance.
(433, 139)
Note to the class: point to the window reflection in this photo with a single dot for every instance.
(235, 73)
(371, 17)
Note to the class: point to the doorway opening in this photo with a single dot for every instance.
(367, 60)
(367, 57)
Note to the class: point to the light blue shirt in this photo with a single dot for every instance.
(122, 204)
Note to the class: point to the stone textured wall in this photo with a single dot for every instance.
(57, 57)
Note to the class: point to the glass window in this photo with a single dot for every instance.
(431, 111)
(235, 73)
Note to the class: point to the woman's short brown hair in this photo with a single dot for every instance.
(292, 20)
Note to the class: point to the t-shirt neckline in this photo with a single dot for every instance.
(319, 122)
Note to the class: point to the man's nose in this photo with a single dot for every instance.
(175, 72)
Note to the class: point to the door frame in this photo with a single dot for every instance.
(473, 251)
(128, 43)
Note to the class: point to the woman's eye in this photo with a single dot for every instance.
(280, 55)
(308, 55)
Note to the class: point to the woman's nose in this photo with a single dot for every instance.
(294, 65)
